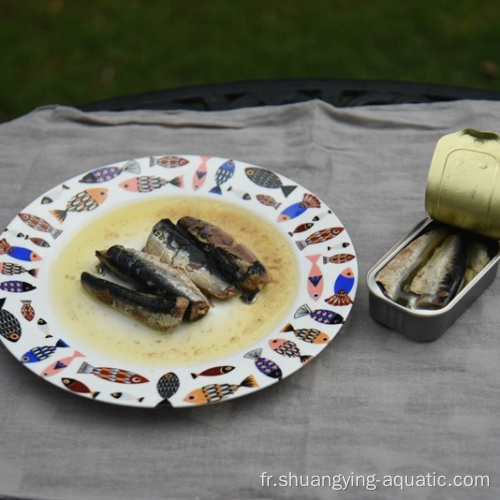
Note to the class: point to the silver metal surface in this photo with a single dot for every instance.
(418, 324)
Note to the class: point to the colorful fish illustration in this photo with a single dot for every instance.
(105, 174)
(54, 194)
(9, 269)
(318, 217)
(267, 179)
(10, 328)
(288, 349)
(223, 174)
(301, 228)
(34, 239)
(27, 311)
(323, 316)
(125, 396)
(268, 201)
(79, 387)
(315, 278)
(297, 209)
(309, 335)
(341, 288)
(19, 253)
(39, 242)
(15, 286)
(167, 386)
(84, 201)
(344, 244)
(214, 393)
(168, 161)
(117, 375)
(42, 352)
(320, 236)
(214, 371)
(148, 183)
(39, 224)
(200, 176)
(239, 193)
(339, 258)
(44, 327)
(264, 365)
(60, 364)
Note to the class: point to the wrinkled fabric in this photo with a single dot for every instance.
(372, 403)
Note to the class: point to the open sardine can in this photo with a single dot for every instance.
(435, 272)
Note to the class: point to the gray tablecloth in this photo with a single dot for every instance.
(373, 412)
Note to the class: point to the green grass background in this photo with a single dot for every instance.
(75, 51)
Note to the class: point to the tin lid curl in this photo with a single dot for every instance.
(463, 186)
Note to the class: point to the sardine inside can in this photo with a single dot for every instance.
(463, 186)
(426, 324)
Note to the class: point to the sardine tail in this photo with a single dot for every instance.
(60, 215)
(303, 310)
(287, 328)
(177, 181)
(249, 382)
(254, 354)
(165, 403)
(305, 359)
(287, 190)
(56, 232)
(302, 244)
(340, 298)
(85, 368)
(33, 272)
(132, 167)
(216, 190)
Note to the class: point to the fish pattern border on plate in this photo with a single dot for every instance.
(328, 280)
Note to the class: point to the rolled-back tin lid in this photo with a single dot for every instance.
(463, 186)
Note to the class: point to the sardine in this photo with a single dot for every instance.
(159, 312)
(477, 259)
(168, 243)
(392, 277)
(154, 277)
(239, 265)
(439, 280)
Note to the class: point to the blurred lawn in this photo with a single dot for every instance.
(76, 51)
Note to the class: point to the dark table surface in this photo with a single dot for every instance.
(338, 92)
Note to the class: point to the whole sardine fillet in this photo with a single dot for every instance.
(237, 262)
(167, 242)
(161, 313)
(478, 258)
(154, 277)
(439, 280)
(393, 275)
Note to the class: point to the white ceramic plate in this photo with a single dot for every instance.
(50, 324)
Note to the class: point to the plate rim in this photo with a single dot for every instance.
(213, 165)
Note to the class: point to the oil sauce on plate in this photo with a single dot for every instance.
(228, 327)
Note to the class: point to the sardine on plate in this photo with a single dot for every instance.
(155, 277)
(238, 263)
(392, 277)
(439, 280)
(159, 312)
(168, 243)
